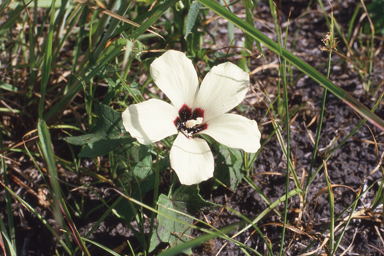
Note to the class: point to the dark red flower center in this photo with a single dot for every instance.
(190, 122)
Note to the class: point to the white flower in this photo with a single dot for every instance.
(194, 111)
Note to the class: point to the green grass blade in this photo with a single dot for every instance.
(8, 201)
(298, 63)
(115, 50)
(11, 247)
(68, 31)
(331, 212)
(112, 27)
(379, 197)
(75, 232)
(102, 218)
(45, 140)
(13, 17)
(162, 8)
(155, 191)
(79, 39)
(43, 220)
(261, 194)
(267, 244)
(47, 62)
(371, 47)
(330, 46)
(4, 5)
(102, 247)
(352, 21)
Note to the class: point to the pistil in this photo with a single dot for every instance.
(190, 123)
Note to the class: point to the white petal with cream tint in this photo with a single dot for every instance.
(234, 131)
(191, 159)
(176, 76)
(222, 89)
(150, 121)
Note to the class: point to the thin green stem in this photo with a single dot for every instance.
(331, 212)
(371, 50)
(128, 88)
(8, 201)
(155, 191)
(47, 62)
(321, 116)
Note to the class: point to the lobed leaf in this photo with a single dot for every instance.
(230, 166)
(107, 134)
(185, 199)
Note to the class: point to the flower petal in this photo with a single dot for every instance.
(191, 159)
(235, 131)
(150, 121)
(222, 89)
(175, 75)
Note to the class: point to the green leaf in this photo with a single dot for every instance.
(134, 170)
(248, 4)
(107, 134)
(192, 16)
(185, 199)
(110, 50)
(45, 4)
(8, 87)
(188, 199)
(104, 146)
(137, 159)
(375, 10)
(202, 239)
(248, 42)
(229, 166)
